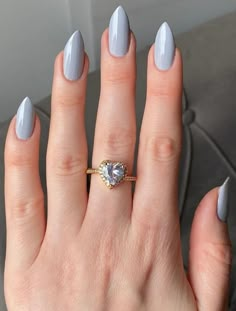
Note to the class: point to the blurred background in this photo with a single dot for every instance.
(33, 32)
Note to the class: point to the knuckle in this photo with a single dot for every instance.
(66, 164)
(162, 149)
(25, 208)
(163, 90)
(159, 92)
(117, 74)
(220, 252)
(69, 100)
(118, 141)
(18, 158)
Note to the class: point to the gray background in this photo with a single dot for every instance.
(33, 32)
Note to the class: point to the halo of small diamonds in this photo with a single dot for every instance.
(112, 172)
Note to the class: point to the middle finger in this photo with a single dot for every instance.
(67, 145)
(115, 132)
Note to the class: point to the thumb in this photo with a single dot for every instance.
(210, 251)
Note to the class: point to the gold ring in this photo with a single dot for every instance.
(112, 173)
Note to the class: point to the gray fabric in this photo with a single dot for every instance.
(209, 152)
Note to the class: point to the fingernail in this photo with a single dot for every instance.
(222, 204)
(164, 47)
(119, 31)
(25, 119)
(74, 57)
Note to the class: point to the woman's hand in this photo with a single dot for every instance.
(109, 250)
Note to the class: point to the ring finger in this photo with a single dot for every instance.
(115, 132)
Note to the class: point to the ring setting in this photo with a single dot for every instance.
(112, 173)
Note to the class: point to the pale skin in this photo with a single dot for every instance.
(109, 249)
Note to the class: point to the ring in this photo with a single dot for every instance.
(112, 173)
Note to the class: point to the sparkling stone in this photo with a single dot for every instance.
(113, 172)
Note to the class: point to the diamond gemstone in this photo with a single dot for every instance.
(113, 172)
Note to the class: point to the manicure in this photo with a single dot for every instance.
(222, 204)
(74, 57)
(25, 119)
(164, 47)
(119, 33)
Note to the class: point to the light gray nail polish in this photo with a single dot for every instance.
(74, 57)
(119, 33)
(25, 118)
(222, 204)
(164, 47)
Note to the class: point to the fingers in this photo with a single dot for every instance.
(210, 251)
(155, 213)
(155, 198)
(24, 200)
(115, 131)
(67, 146)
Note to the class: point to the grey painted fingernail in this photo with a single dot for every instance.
(119, 33)
(74, 57)
(222, 204)
(164, 47)
(25, 119)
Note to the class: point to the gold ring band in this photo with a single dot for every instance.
(96, 171)
(112, 173)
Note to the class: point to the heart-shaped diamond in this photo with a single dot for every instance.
(112, 173)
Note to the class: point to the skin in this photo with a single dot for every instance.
(109, 250)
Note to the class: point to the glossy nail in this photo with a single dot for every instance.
(119, 33)
(222, 204)
(74, 57)
(164, 47)
(25, 119)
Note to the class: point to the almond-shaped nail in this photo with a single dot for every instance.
(25, 118)
(119, 33)
(73, 62)
(164, 47)
(222, 204)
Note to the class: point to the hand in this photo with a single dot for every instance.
(109, 250)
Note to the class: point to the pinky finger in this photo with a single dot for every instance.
(210, 251)
(24, 199)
